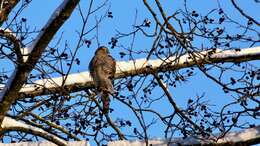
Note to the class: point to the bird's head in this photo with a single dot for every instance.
(102, 50)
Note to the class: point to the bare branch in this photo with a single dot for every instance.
(175, 107)
(244, 137)
(244, 14)
(5, 9)
(111, 123)
(9, 124)
(17, 47)
(54, 126)
(15, 83)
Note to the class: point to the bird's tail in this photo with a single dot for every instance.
(105, 99)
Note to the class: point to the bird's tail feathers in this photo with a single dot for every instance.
(106, 101)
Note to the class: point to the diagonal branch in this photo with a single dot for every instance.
(5, 9)
(10, 36)
(10, 124)
(110, 122)
(175, 107)
(19, 76)
(244, 14)
(58, 127)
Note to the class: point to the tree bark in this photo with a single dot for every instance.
(79, 81)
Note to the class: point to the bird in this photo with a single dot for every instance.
(102, 69)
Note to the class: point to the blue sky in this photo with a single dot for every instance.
(124, 12)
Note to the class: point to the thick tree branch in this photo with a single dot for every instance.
(10, 36)
(79, 81)
(242, 138)
(5, 9)
(9, 124)
(19, 76)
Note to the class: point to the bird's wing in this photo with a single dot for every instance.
(108, 65)
(91, 67)
(112, 64)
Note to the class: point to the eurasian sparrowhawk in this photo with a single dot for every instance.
(102, 69)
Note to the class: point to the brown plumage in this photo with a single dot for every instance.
(102, 69)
